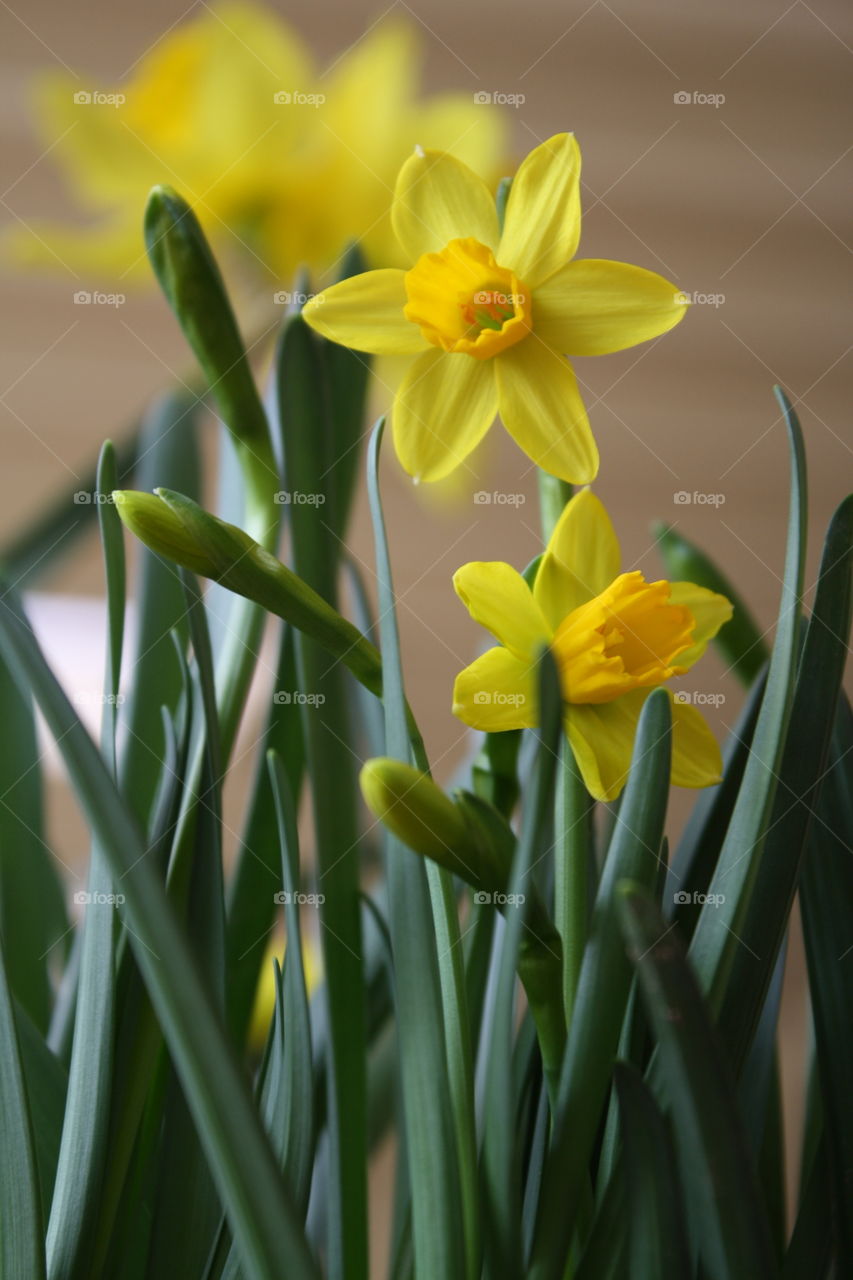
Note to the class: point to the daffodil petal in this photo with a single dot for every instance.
(542, 225)
(443, 408)
(581, 560)
(710, 610)
(541, 408)
(602, 738)
(499, 599)
(593, 307)
(496, 692)
(696, 759)
(438, 199)
(365, 312)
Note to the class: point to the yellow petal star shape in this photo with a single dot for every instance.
(615, 637)
(490, 314)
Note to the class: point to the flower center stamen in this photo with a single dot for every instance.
(488, 309)
(464, 302)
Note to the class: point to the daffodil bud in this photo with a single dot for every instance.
(174, 526)
(154, 524)
(453, 834)
(414, 809)
(193, 285)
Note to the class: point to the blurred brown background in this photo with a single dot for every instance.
(742, 199)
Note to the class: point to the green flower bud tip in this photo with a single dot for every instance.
(156, 525)
(417, 811)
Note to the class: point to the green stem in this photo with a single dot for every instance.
(572, 814)
(540, 970)
(553, 496)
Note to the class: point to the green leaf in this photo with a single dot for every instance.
(47, 1084)
(605, 1251)
(477, 943)
(368, 720)
(495, 770)
(692, 867)
(720, 925)
(771, 1155)
(800, 776)
(727, 1218)
(573, 837)
(809, 1253)
(83, 1147)
(430, 1140)
(168, 452)
(293, 1120)
(305, 430)
(501, 1155)
(112, 542)
(187, 1209)
(740, 641)
(826, 892)
(261, 1214)
(256, 876)
(33, 919)
(21, 1243)
(656, 1238)
(287, 1095)
(602, 992)
(460, 1059)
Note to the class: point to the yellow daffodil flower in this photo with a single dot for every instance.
(615, 637)
(283, 163)
(490, 314)
(264, 1006)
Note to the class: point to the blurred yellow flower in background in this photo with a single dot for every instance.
(284, 163)
(264, 1006)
